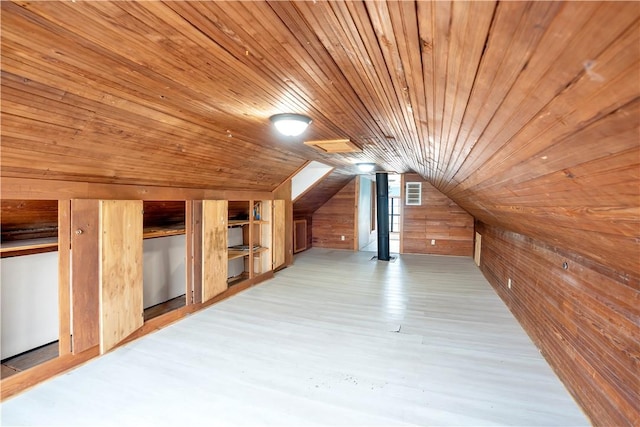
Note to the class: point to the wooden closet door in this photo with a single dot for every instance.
(278, 245)
(121, 307)
(85, 271)
(215, 261)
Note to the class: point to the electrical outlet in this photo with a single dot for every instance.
(341, 237)
(509, 283)
(433, 242)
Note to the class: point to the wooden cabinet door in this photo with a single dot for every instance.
(278, 241)
(120, 245)
(85, 268)
(214, 248)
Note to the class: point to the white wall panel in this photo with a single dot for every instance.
(29, 302)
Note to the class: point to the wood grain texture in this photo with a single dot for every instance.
(189, 227)
(121, 290)
(321, 192)
(263, 237)
(309, 225)
(439, 219)
(214, 248)
(485, 100)
(422, 341)
(300, 235)
(525, 114)
(283, 192)
(335, 219)
(160, 214)
(24, 380)
(278, 241)
(585, 319)
(64, 277)
(38, 189)
(85, 281)
(28, 219)
(197, 251)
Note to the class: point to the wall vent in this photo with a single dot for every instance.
(413, 194)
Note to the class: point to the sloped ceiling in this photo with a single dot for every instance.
(524, 113)
(320, 193)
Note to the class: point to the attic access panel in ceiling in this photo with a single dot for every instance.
(334, 146)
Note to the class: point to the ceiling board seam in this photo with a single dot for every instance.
(506, 96)
(450, 147)
(450, 180)
(404, 134)
(570, 85)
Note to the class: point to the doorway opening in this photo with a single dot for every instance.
(368, 237)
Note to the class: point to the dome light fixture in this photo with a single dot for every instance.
(365, 167)
(290, 124)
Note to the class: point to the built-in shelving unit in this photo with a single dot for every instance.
(29, 285)
(162, 255)
(164, 263)
(175, 230)
(28, 247)
(249, 239)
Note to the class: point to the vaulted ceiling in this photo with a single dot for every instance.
(524, 113)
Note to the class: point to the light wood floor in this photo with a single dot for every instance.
(336, 339)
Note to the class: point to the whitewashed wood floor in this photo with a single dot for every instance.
(336, 339)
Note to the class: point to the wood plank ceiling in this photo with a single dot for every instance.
(524, 113)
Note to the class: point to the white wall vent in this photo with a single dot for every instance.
(413, 194)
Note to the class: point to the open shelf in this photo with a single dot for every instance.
(29, 246)
(152, 232)
(236, 253)
(249, 224)
(237, 279)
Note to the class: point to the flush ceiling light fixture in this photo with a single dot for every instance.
(365, 167)
(290, 124)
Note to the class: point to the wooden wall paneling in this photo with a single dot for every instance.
(163, 213)
(406, 134)
(47, 189)
(279, 234)
(438, 219)
(28, 219)
(189, 252)
(64, 276)
(263, 235)
(312, 200)
(300, 235)
(515, 28)
(523, 117)
(214, 244)
(283, 192)
(249, 235)
(121, 289)
(477, 251)
(335, 219)
(85, 267)
(602, 139)
(98, 40)
(309, 228)
(584, 318)
(198, 251)
(451, 38)
(618, 70)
